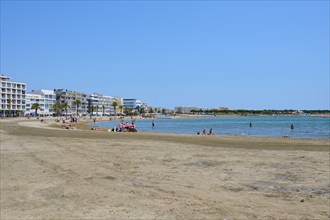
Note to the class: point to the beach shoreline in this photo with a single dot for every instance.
(51, 173)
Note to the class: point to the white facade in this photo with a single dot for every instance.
(12, 96)
(45, 98)
(102, 105)
(69, 97)
(132, 103)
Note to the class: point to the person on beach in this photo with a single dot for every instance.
(211, 132)
(204, 132)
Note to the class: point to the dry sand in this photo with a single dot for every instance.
(75, 174)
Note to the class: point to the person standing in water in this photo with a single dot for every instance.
(153, 124)
(250, 125)
(292, 127)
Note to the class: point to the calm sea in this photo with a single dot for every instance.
(304, 126)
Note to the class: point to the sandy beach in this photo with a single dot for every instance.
(49, 173)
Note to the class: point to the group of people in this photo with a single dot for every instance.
(125, 127)
(67, 122)
(211, 132)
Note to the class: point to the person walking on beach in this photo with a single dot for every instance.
(204, 132)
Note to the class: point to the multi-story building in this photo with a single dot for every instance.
(69, 97)
(12, 97)
(184, 109)
(45, 98)
(130, 103)
(101, 105)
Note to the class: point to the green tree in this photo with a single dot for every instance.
(35, 106)
(103, 109)
(97, 109)
(77, 103)
(115, 104)
(56, 107)
(9, 101)
(91, 109)
(121, 107)
(65, 106)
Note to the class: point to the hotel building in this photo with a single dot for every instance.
(103, 105)
(45, 98)
(12, 97)
(66, 96)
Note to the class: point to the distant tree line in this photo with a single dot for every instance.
(257, 112)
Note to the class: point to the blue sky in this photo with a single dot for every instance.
(240, 54)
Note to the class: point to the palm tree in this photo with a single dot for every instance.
(35, 106)
(9, 101)
(121, 109)
(97, 110)
(57, 107)
(77, 104)
(103, 109)
(115, 104)
(91, 109)
(65, 105)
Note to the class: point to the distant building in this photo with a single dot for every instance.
(184, 109)
(102, 105)
(12, 97)
(66, 96)
(163, 110)
(131, 103)
(45, 98)
(135, 104)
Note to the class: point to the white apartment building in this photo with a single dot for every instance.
(102, 105)
(45, 98)
(69, 97)
(12, 97)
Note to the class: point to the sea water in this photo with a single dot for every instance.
(304, 126)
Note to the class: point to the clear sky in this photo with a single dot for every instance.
(239, 54)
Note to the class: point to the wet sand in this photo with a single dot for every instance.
(83, 174)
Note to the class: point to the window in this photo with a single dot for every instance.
(9, 85)
(3, 84)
